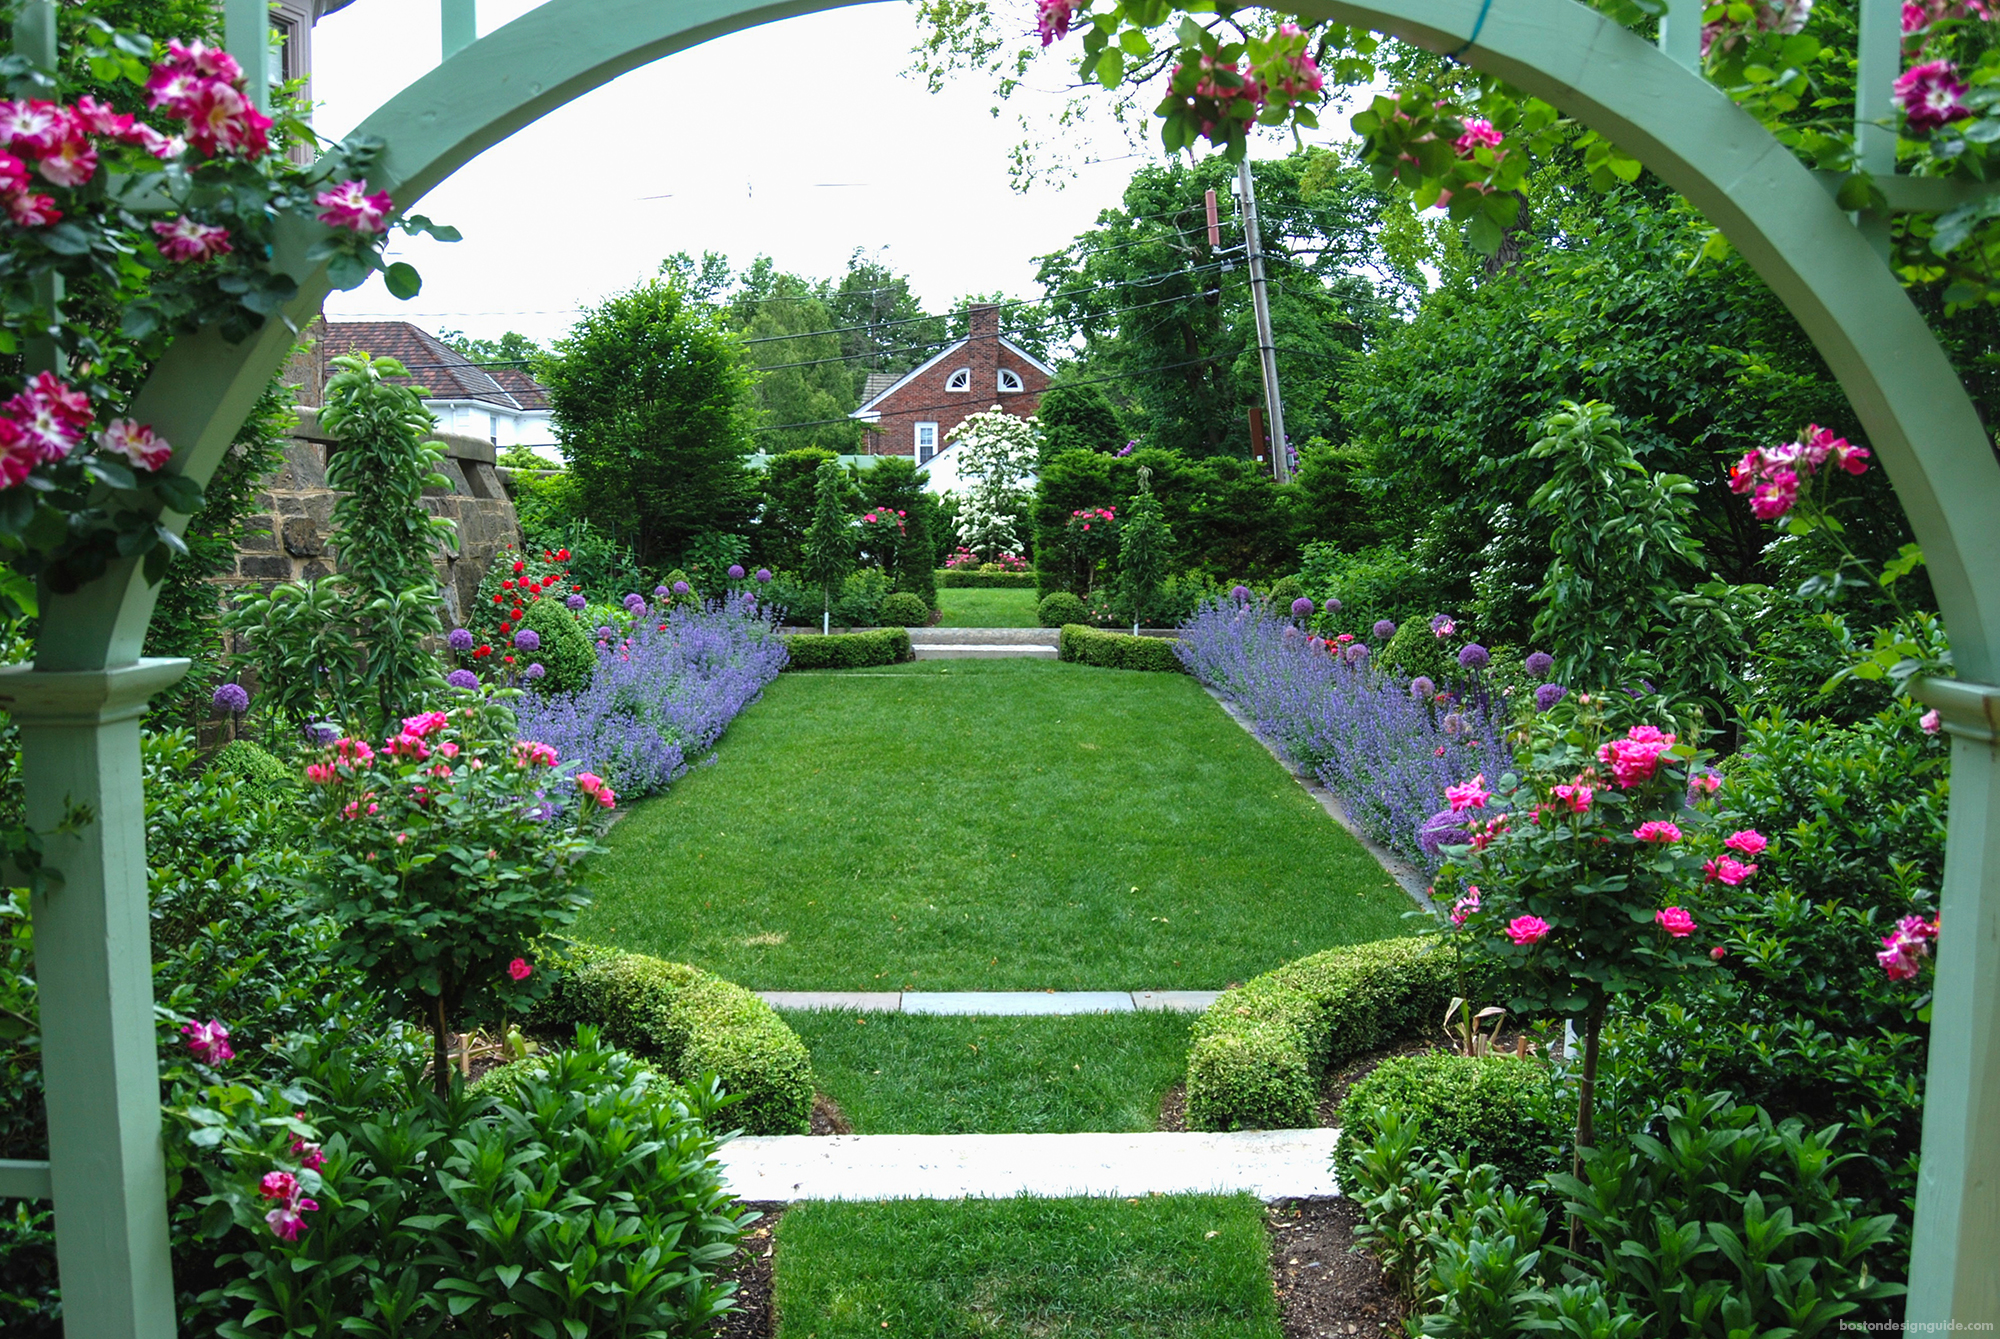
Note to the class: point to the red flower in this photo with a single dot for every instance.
(508, 584)
(562, 555)
(482, 652)
(520, 567)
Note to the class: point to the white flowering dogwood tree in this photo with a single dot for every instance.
(997, 454)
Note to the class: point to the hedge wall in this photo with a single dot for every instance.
(848, 650)
(1118, 650)
(693, 1023)
(986, 580)
(1260, 1050)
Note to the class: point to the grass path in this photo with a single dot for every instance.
(968, 607)
(986, 825)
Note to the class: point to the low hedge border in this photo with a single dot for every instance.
(693, 1023)
(1117, 650)
(948, 576)
(848, 650)
(1260, 1051)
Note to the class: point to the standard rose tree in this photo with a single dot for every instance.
(448, 855)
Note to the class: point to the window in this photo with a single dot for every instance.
(1010, 380)
(960, 380)
(493, 429)
(926, 441)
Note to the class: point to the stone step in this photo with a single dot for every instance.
(976, 651)
(1007, 1003)
(1270, 1164)
(983, 636)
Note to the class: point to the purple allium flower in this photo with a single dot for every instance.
(736, 571)
(1453, 724)
(1538, 664)
(606, 632)
(1548, 695)
(534, 671)
(527, 639)
(1422, 689)
(764, 574)
(574, 600)
(462, 678)
(458, 639)
(1384, 629)
(1240, 594)
(1473, 656)
(1332, 606)
(1303, 606)
(1356, 653)
(635, 602)
(681, 588)
(661, 592)
(322, 732)
(1441, 829)
(232, 698)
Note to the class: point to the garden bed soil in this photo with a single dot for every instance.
(750, 1270)
(828, 1118)
(1326, 1286)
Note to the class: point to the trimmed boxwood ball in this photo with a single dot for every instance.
(1260, 1050)
(694, 1024)
(566, 651)
(1060, 608)
(1285, 590)
(1493, 1109)
(256, 772)
(1416, 650)
(903, 610)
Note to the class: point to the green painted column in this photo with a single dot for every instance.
(1680, 32)
(246, 33)
(1955, 1258)
(460, 24)
(1880, 60)
(80, 744)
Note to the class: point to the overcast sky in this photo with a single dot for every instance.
(825, 145)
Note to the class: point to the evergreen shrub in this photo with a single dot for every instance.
(901, 609)
(1117, 650)
(566, 653)
(1493, 1109)
(849, 650)
(259, 775)
(1060, 609)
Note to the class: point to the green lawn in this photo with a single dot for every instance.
(918, 1074)
(974, 608)
(1162, 1267)
(986, 825)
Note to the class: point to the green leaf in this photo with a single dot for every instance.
(111, 473)
(403, 281)
(66, 239)
(179, 492)
(1111, 67)
(1135, 44)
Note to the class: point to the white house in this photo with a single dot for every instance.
(503, 405)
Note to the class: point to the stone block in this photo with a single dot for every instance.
(266, 569)
(303, 539)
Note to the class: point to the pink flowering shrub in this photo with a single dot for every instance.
(447, 855)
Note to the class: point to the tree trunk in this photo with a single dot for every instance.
(1586, 1122)
(440, 1051)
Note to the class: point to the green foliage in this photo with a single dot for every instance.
(1283, 592)
(354, 645)
(439, 881)
(1620, 541)
(652, 404)
(695, 1024)
(1061, 608)
(788, 480)
(423, 1209)
(255, 772)
(903, 610)
(1371, 584)
(1145, 548)
(893, 484)
(1330, 506)
(1117, 650)
(1078, 418)
(827, 552)
(800, 375)
(973, 579)
(1415, 649)
(1260, 1050)
(849, 650)
(567, 654)
(1492, 1109)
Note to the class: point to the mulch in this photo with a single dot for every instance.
(750, 1270)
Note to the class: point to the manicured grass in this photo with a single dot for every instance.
(972, 608)
(1161, 1267)
(986, 825)
(917, 1074)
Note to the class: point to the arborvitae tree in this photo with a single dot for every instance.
(829, 545)
(1144, 544)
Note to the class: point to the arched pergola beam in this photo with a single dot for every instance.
(1917, 415)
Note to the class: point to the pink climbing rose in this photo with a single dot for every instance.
(1527, 930)
(1675, 921)
(1657, 830)
(1932, 95)
(350, 206)
(1471, 795)
(1637, 756)
(1052, 19)
(1749, 841)
(519, 969)
(1479, 133)
(1904, 951)
(136, 442)
(209, 1042)
(1728, 871)
(1931, 721)
(1466, 906)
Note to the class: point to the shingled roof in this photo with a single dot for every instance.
(442, 371)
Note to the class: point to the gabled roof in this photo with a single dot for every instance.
(442, 371)
(869, 401)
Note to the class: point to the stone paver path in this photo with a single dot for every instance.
(1006, 1003)
(1270, 1164)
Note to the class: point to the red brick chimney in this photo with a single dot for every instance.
(983, 321)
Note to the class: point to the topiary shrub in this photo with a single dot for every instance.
(903, 610)
(1283, 592)
(1415, 650)
(566, 652)
(1260, 1050)
(848, 650)
(1117, 650)
(694, 1024)
(1061, 608)
(254, 771)
(1488, 1109)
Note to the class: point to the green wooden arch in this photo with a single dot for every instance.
(79, 704)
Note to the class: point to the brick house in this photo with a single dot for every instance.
(913, 415)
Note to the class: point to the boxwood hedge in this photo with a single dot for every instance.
(1117, 650)
(1493, 1109)
(1260, 1050)
(692, 1023)
(849, 650)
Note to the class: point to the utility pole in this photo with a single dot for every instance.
(1253, 242)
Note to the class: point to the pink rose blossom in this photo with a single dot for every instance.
(34, 127)
(287, 1220)
(208, 1042)
(350, 206)
(71, 163)
(427, 723)
(1465, 906)
(1577, 797)
(1526, 930)
(1637, 756)
(1728, 871)
(18, 455)
(183, 239)
(97, 118)
(136, 443)
(1479, 133)
(52, 414)
(1718, 953)
(519, 969)
(1931, 721)
(32, 211)
(1749, 841)
(1657, 830)
(319, 773)
(1675, 921)
(279, 1185)
(1932, 95)
(529, 753)
(1052, 19)
(1471, 795)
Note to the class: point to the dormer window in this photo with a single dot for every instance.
(1010, 380)
(960, 380)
